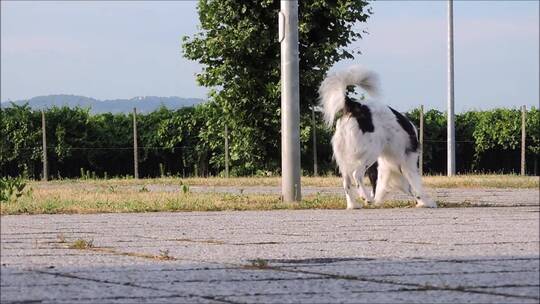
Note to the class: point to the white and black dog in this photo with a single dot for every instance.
(371, 138)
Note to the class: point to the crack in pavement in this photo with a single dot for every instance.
(418, 286)
(71, 276)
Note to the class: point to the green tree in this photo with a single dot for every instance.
(20, 133)
(533, 139)
(497, 131)
(533, 131)
(180, 135)
(239, 49)
(107, 143)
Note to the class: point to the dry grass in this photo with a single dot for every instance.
(128, 195)
(79, 201)
(51, 200)
(433, 181)
(482, 181)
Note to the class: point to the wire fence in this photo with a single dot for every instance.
(155, 161)
(160, 161)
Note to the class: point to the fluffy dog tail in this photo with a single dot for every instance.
(334, 88)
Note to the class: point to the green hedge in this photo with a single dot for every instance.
(184, 142)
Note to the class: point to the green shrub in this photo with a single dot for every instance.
(12, 188)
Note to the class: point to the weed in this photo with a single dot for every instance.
(185, 188)
(51, 206)
(164, 255)
(259, 263)
(144, 189)
(12, 189)
(81, 244)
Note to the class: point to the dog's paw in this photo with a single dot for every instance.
(353, 205)
(376, 203)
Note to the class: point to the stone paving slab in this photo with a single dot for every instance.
(400, 296)
(447, 255)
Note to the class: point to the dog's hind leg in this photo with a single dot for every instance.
(372, 173)
(410, 172)
(349, 193)
(383, 182)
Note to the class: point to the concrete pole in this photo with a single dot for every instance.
(135, 147)
(226, 151)
(314, 126)
(523, 137)
(451, 137)
(290, 102)
(45, 176)
(421, 158)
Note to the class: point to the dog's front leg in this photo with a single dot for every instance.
(350, 194)
(358, 176)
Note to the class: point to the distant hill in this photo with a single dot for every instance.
(143, 104)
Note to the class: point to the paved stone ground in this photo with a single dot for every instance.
(453, 255)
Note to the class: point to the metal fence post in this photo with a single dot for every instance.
(135, 147)
(315, 165)
(45, 176)
(523, 138)
(421, 157)
(226, 151)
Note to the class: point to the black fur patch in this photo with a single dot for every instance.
(361, 113)
(407, 125)
(372, 175)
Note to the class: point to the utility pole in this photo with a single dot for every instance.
(314, 126)
(45, 176)
(135, 148)
(451, 136)
(290, 102)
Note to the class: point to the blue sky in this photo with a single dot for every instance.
(123, 49)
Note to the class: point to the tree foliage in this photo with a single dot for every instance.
(239, 50)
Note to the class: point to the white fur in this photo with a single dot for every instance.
(333, 89)
(356, 151)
